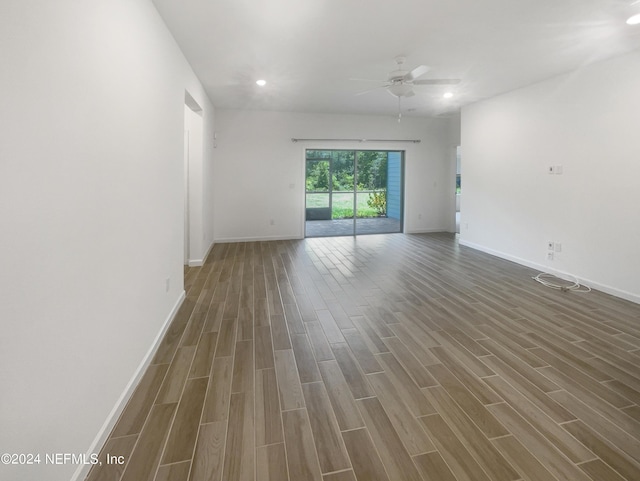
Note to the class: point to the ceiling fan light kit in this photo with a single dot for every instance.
(400, 82)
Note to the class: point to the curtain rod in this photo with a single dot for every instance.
(415, 141)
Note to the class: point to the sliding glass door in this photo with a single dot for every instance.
(352, 192)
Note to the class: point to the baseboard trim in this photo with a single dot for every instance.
(425, 231)
(200, 262)
(122, 401)
(226, 240)
(629, 296)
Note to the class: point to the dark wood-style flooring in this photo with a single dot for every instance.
(397, 357)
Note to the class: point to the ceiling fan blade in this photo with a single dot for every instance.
(419, 71)
(373, 89)
(437, 81)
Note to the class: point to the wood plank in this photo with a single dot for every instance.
(341, 476)
(475, 365)
(319, 344)
(267, 407)
(208, 456)
(264, 347)
(243, 367)
(567, 444)
(173, 383)
(433, 468)
(624, 435)
(342, 401)
(330, 449)
(487, 423)
(173, 472)
(271, 463)
(356, 380)
(392, 452)
(182, 437)
(515, 344)
(293, 319)
(279, 332)
(466, 377)
(409, 391)
(410, 363)
(517, 365)
(375, 343)
(553, 460)
(522, 459)
(213, 320)
(487, 456)
(364, 357)
(307, 367)
(598, 470)
(459, 460)
(145, 457)
(331, 329)
(203, 359)
(226, 338)
(239, 453)
(422, 353)
(137, 409)
(364, 458)
(541, 399)
(289, 387)
(413, 437)
(629, 468)
(301, 454)
(216, 404)
(120, 446)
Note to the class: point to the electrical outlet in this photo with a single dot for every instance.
(550, 245)
(549, 256)
(557, 169)
(558, 247)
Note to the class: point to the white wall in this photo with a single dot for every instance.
(588, 123)
(199, 203)
(91, 206)
(260, 171)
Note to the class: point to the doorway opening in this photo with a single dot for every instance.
(193, 155)
(353, 192)
(458, 189)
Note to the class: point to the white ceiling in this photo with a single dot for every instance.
(308, 50)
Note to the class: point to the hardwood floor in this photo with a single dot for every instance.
(397, 357)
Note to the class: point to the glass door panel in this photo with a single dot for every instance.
(353, 192)
(372, 189)
(318, 196)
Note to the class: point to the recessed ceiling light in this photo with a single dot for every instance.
(261, 82)
(448, 95)
(635, 20)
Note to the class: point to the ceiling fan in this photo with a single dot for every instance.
(400, 82)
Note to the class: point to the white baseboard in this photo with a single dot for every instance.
(425, 231)
(200, 262)
(114, 415)
(629, 296)
(226, 240)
